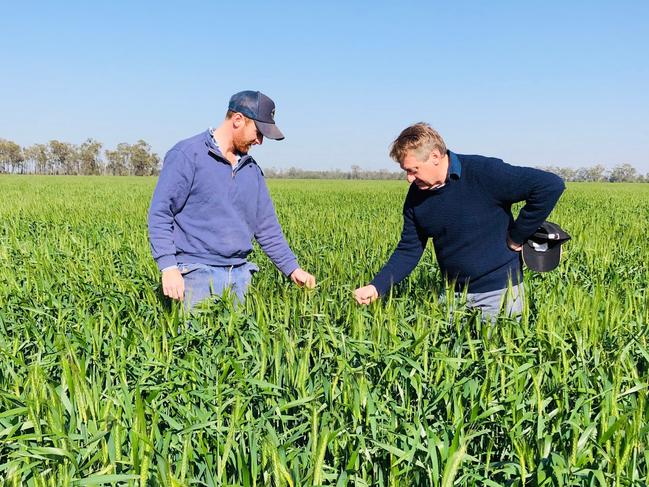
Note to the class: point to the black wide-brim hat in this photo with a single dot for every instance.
(542, 250)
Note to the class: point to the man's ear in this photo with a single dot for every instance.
(435, 156)
(238, 120)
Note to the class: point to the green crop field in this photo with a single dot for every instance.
(104, 382)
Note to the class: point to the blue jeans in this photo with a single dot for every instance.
(203, 281)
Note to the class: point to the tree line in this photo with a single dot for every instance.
(56, 157)
(355, 173)
(622, 173)
(598, 173)
(137, 159)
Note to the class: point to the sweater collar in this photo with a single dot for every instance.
(455, 167)
(214, 149)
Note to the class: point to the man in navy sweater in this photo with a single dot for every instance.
(211, 200)
(463, 202)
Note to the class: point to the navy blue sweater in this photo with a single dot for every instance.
(469, 219)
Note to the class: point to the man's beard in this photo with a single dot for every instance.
(241, 147)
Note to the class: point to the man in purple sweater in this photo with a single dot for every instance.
(463, 202)
(211, 200)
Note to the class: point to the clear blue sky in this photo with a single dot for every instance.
(535, 83)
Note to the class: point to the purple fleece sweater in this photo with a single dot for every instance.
(206, 211)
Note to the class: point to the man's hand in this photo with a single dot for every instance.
(366, 294)
(303, 278)
(513, 245)
(173, 284)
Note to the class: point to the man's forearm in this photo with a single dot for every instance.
(538, 207)
(399, 266)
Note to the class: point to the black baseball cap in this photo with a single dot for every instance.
(258, 107)
(542, 250)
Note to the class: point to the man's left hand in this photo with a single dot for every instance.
(303, 278)
(513, 245)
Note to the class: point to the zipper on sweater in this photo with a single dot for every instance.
(240, 163)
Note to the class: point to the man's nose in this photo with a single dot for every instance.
(410, 177)
(260, 138)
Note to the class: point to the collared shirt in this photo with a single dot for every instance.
(455, 167)
(454, 170)
(210, 130)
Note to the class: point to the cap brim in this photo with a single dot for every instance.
(541, 261)
(269, 130)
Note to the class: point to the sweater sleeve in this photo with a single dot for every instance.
(539, 189)
(169, 197)
(269, 233)
(405, 257)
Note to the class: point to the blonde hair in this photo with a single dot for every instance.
(419, 138)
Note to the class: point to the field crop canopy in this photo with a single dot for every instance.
(105, 382)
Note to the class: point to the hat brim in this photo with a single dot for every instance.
(541, 261)
(269, 130)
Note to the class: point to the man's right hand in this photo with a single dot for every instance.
(173, 284)
(366, 294)
(516, 247)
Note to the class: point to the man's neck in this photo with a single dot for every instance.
(446, 163)
(224, 141)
